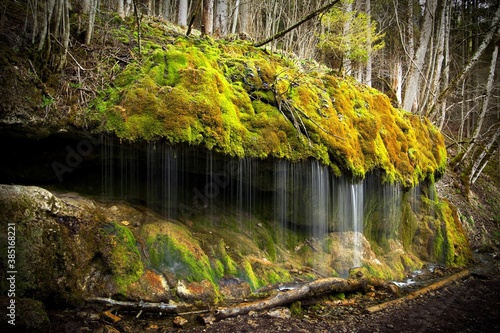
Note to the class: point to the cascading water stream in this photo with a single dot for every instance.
(357, 222)
(302, 197)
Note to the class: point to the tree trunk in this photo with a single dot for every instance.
(120, 8)
(146, 306)
(164, 9)
(471, 64)
(182, 13)
(436, 66)
(411, 36)
(346, 61)
(484, 109)
(311, 289)
(193, 16)
(484, 158)
(412, 86)
(435, 286)
(90, 27)
(138, 18)
(397, 79)
(235, 16)
(446, 62)
(208, 17)
(368, 79)
(221, 18)
(244, 16)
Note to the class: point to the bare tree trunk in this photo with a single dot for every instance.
(235, 16)
(221, 18)
(310, 289)
(138, 18)
(193, 16)
(495, 28)
(120, 8)
(244, 16)
(346, 61)
(182, 14)
(397, 79)
(483, 158)
(44, 40)
(411, 36)
(368, 80)
(437, 65)
(90, 27)
(446, 71)
(412, 86)
(484, 109)
(208, 17)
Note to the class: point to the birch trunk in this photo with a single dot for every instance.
(221, 18)
(244, 16)
(208, 17)
(437, 66)
(182, 14)
(412, 86)
(90, 26)
(235, 16)
(397, 79)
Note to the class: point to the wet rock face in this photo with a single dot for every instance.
(54, 241)
(69, 247)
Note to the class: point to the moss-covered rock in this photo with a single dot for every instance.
(242, 101)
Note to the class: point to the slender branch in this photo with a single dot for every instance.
(163, 307)
(305, 19)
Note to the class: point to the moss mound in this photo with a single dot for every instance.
(243, 101)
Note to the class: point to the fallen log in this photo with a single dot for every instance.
(422, 291)
(311, 289)
(144, 306)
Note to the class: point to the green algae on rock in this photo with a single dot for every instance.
(243, 101)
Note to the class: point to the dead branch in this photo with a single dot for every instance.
(305, 19)
(311, 289)
(144, 306)
(420, 292)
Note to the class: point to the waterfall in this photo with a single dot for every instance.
(281, 186)
(180, 182)
(357, 222)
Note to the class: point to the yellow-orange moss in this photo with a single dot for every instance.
(230, 97)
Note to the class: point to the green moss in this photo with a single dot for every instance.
(296, 308)
(228, 264)
(451, 244)
(122, 255)
(241, 101)
(249, 275)
(172, 249)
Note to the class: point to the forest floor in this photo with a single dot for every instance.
(468, 305)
